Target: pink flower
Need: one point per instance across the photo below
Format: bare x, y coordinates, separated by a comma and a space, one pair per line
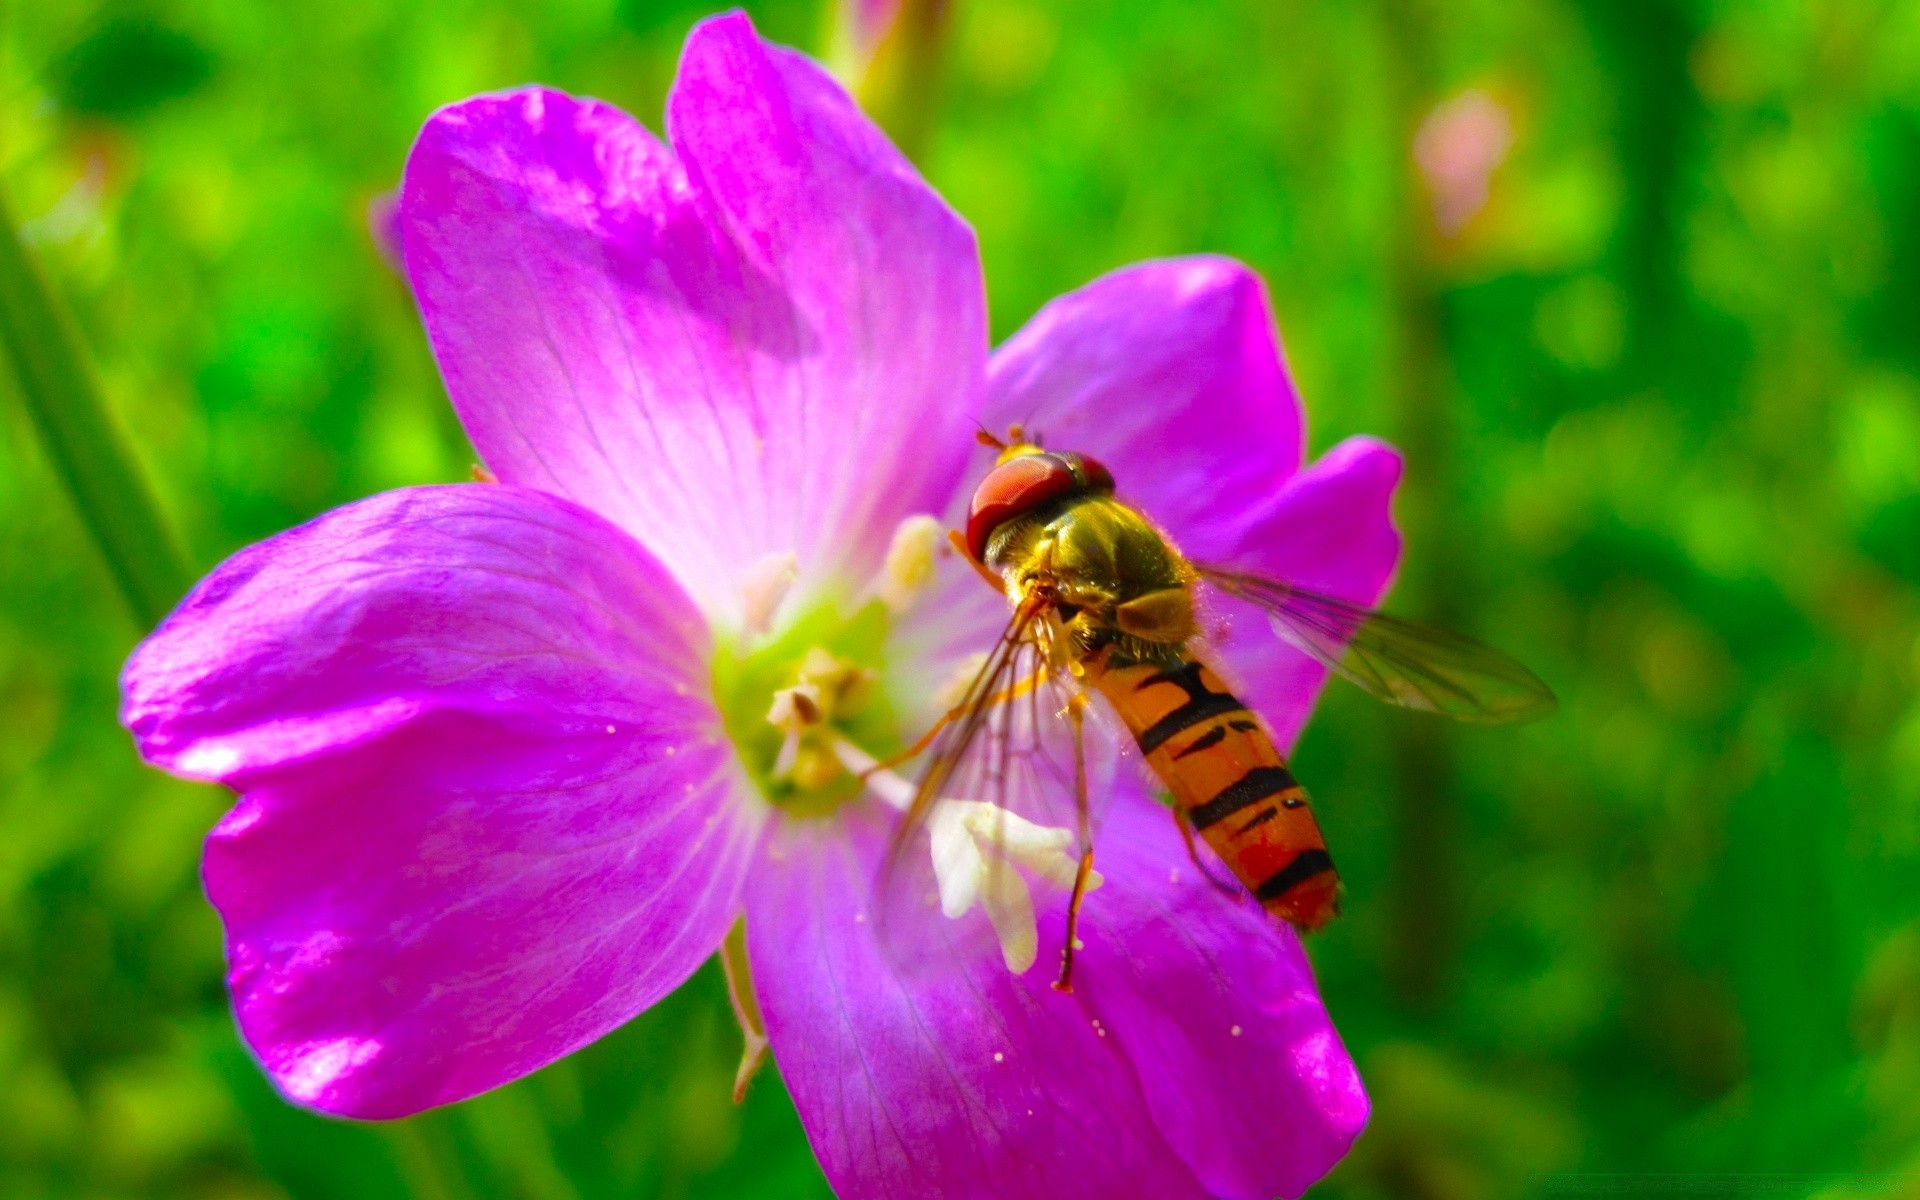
1458, 147
500, 749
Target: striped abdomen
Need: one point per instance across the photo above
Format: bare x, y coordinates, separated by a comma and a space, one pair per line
1231, 783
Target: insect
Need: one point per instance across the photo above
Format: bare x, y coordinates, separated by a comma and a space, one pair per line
1104, 605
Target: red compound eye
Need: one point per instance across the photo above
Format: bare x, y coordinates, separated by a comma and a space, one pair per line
1012, 489
1093, 472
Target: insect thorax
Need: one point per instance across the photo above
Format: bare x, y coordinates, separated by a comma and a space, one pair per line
1116, 583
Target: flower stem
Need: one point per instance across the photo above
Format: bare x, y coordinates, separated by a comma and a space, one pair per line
85, 446
1425, 922
428, 1164
746, 1008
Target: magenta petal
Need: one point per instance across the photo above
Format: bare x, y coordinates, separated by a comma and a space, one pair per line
971, 1083
1330, 528
1170, 373
767, 339
487, 812
1214, 1003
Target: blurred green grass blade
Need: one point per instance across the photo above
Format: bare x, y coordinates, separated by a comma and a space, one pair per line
84, 444
892, 60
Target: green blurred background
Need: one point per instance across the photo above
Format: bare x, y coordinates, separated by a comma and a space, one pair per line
1635, 282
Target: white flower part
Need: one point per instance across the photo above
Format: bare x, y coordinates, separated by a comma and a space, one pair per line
764, 588
976, 848
958, 865
1009, 907
910, 562
897, 792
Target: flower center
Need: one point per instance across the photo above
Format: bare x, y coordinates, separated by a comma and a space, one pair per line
807, 714
786, 700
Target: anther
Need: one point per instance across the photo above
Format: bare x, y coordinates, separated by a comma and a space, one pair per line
910, 562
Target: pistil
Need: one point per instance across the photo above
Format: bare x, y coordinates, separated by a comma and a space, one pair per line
978, 852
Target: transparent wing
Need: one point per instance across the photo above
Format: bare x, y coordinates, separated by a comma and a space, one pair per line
1401, 662
1002, 807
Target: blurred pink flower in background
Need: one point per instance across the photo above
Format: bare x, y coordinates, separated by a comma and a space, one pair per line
383, 225
1457, 148
862, 25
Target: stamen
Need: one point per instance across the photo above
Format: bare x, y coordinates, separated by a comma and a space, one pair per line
842, 687
897, 792
796, 708
826, 688
763, 588
910, 562
746, 1009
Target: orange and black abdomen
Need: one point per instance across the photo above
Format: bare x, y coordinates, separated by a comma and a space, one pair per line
1230, 782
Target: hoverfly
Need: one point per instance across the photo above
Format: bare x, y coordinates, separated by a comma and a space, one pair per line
1104, 605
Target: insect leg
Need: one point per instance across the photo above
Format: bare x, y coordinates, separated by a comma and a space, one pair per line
1226, 887
1076, 714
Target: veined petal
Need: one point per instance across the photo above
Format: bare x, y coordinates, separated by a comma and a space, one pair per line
885, 276
1329, 528
1170, 373
487, 812
1214, 1004
767, 339
973, 1082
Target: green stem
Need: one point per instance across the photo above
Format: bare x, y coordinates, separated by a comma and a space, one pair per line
85, 445
429, 1165
1426, 803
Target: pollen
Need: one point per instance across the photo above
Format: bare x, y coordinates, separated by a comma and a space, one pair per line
910, 562
827, 688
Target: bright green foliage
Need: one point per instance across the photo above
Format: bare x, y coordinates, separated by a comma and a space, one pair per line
1661, 399
49, 370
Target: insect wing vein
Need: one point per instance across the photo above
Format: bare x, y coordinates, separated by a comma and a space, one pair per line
972, 753
1398, 661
